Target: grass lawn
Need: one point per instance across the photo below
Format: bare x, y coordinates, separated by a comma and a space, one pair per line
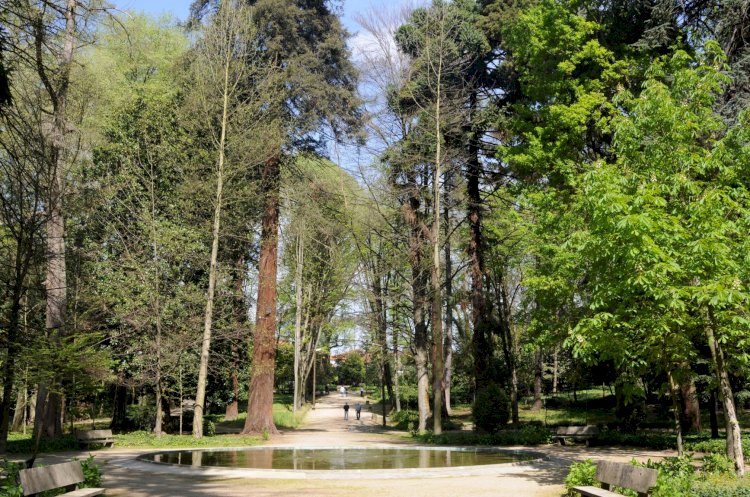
283, 417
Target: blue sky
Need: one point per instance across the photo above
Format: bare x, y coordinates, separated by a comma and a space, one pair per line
180, 8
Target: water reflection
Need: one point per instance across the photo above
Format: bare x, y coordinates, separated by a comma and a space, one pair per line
343, 458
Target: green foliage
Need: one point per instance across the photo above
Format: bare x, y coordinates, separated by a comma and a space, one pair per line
209, 427
716, 446
721, 486
92, 473
491, 410
717, 464
651, 440
405, 419
580, 474
146, 439
9, 484
141, 417
527, 435
24, 444
676, 475
351, 369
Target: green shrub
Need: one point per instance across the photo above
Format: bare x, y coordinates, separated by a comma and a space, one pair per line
581, 474
717, 464
716, 445
726, 485
676, 476
528, 435
657, 441
92, 474
24, 444
491, 410
209, 427
9, 485
141, 417
405, 419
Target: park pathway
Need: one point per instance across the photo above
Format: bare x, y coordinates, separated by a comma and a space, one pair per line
325, 426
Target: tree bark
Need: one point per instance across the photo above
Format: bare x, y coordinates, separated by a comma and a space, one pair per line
260, 402
514, 394
20, 411
9, 366
537, 406
675, 394
156, 306
419, 291
448, 332
691, 409
298, 321
508, 342
49, 401
481, 346
233, 408
733, 433
119, 421
713, 415
436, 319
200, 396
555, 369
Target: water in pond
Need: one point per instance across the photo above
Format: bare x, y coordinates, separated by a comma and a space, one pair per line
344, 458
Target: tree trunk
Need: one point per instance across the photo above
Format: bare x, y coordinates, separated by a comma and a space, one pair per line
537, 406
298, 321
55, 282
448, 345
691, 409
713, 415
419, 285
397, 379
675, 394
734, 435
260, 402
436, 318
423, 380
119, 421
514, 394
481, 346
233, 407
19, 414
555, 369
200, 396
156, 305
9, 366
508, 343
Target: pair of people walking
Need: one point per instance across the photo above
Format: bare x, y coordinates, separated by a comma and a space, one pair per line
357, 410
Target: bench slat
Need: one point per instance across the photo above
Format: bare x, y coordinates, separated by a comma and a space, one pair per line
626, 475
595, 492
94, 435
85, 492
572, 431
36, 480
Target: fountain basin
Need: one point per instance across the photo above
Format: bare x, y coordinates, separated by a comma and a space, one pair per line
333, 462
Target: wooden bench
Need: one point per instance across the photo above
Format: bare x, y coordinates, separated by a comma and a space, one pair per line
91, 437
637, 478
585, 433
66, 475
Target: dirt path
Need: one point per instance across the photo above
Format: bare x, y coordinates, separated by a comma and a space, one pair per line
325, 426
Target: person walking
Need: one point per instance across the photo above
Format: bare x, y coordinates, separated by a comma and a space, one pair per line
342, 390
346, 411
358, 409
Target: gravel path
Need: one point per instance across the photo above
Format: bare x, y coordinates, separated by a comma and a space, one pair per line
325, 426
